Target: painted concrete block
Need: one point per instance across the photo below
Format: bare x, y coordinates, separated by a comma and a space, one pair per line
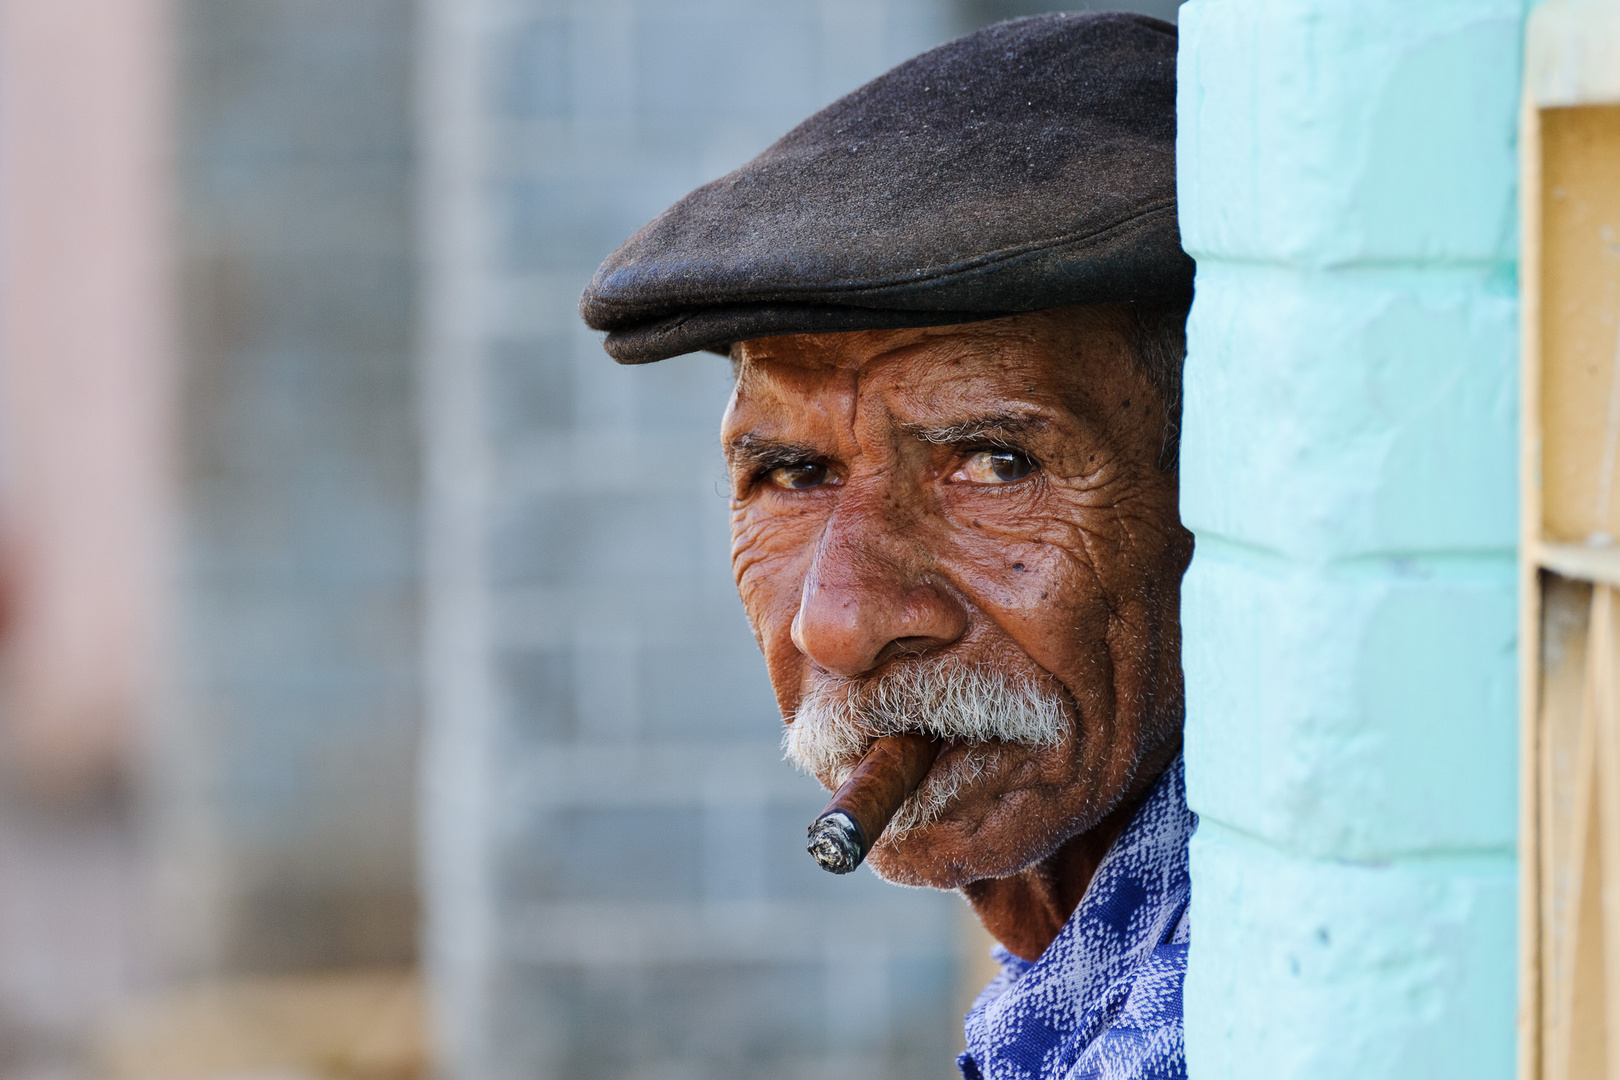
1335, 971
1347, 183
1334, 415
1319, 133
1363, 711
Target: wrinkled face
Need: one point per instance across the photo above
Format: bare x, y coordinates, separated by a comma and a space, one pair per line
979, 502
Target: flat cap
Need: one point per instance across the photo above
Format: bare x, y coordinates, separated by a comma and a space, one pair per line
1029, 165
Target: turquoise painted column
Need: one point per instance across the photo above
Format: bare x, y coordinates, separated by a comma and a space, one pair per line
1347, 184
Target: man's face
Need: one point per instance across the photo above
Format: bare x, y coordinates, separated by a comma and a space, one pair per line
978, 499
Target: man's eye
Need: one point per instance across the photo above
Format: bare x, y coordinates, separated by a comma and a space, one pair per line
798, 477
997, 466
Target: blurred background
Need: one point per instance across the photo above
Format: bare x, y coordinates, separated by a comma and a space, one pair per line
374, 699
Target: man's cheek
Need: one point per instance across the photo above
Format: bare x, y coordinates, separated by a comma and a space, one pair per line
770, 596
1041, 592
1028, 580
769, 575
757, 551
769, 592
1006, 564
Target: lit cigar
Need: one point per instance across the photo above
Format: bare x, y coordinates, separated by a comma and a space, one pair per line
862, 807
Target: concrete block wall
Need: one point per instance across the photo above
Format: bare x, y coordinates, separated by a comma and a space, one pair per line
281, 783
1347, 180
615, 850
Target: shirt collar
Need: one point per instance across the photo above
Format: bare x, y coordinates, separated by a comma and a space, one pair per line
1032, 1012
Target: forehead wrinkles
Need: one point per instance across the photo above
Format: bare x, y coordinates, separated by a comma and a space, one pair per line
851, 387
790, 401
795, 402
972, 381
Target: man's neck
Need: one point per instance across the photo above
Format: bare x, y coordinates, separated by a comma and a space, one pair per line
1025, 912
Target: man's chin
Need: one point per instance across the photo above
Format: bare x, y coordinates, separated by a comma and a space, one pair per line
949, 855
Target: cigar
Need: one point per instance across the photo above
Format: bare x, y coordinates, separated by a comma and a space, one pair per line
860, 810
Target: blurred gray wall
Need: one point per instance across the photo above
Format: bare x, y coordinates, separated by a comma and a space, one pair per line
615, 853
282, 782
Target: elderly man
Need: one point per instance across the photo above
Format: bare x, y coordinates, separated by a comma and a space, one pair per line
954, 303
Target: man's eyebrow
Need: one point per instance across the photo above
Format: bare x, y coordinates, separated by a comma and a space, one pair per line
993, 428
752, 451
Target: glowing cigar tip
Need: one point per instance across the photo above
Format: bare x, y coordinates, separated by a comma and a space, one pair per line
837, 842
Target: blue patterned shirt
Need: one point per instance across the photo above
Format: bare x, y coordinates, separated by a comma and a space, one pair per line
1104, 1000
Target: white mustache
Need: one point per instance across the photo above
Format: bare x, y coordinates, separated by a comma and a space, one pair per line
839, 717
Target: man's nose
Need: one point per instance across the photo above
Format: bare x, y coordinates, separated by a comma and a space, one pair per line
861, 604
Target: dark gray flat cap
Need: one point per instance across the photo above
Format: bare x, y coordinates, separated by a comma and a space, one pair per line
1029, 165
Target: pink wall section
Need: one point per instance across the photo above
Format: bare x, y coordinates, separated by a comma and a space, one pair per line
85, 377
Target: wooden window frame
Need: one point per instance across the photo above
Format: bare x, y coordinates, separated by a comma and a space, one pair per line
1569, 1015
